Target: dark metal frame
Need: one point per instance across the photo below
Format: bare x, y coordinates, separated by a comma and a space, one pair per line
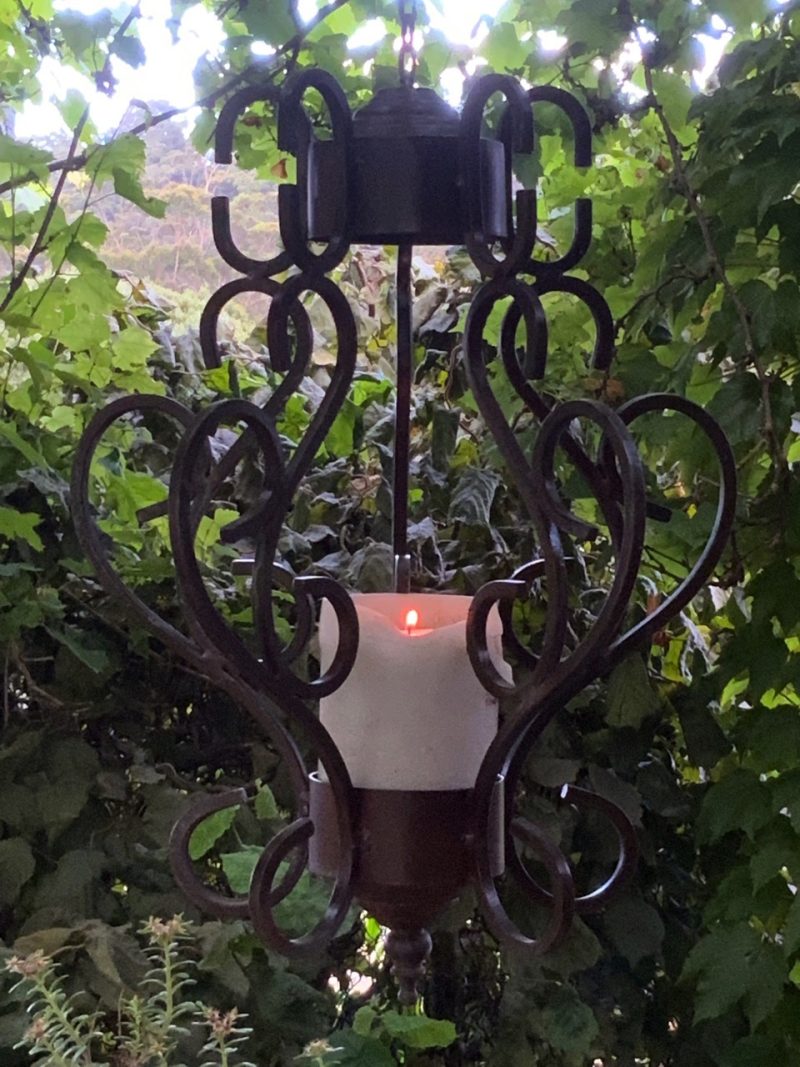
476, 832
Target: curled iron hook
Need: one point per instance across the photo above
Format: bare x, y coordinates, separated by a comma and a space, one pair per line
220, 205
595, 899
582, 157
720, 531
204, 897
561, 900
517, 134
295, 135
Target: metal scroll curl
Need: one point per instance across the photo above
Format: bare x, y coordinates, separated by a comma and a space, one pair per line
557, 671
516, 131
220, 205
262, 681
219, 654
601, 656
295, 135
582, 157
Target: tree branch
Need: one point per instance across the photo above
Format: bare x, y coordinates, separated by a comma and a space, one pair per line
38, 244
742, 314
655, 293
290, 49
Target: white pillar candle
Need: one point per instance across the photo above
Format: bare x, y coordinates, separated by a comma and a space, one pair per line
411, 714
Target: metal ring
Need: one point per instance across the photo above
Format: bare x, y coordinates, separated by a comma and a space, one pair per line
518, 137
294, 135
562, 901
596, 899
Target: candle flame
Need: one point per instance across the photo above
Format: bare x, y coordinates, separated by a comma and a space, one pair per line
412, 619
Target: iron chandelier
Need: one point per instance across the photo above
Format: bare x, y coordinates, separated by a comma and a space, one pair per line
402, 841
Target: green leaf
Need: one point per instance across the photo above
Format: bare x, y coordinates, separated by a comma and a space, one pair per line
130, 50
17, 867
758, 1050
791, 930
206, 834
503, 48
590, 23
568, 1024
82, 32
360, 1051
23, 155
305, 905
786, 796
339, 440
635, 928
738, 802
127, 185
270, 22
80, 334
759, 300
444, 433
631, 697
741, 14
239, 866
776, 594
72, 109
733, 964
706, 741
22, 525
266, 806
674, 95
613, 788
12, 435
736, 405
773, 736
364, 1019
473, 496
783, 850
418, 1031
132, 347
83, 646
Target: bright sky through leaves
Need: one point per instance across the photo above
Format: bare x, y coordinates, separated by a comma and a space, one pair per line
167, 74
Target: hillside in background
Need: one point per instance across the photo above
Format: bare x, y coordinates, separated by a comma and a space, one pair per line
175, 255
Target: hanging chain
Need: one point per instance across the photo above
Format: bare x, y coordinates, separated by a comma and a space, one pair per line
407, 59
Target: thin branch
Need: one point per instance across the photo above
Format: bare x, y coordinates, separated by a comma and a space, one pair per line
32, 689
742, 314
38, 245
655, 294
123, 26
13, 232
291, 48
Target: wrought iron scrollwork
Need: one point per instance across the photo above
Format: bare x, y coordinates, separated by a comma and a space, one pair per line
260, 680
616, 478
264, 679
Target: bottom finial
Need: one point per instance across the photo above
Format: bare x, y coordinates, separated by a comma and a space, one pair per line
408, 952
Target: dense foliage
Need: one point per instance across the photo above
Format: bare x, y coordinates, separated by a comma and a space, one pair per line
106, 737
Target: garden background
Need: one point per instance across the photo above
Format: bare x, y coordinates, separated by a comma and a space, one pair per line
105, 263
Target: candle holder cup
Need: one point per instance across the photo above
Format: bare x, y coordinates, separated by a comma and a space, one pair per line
404, 853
